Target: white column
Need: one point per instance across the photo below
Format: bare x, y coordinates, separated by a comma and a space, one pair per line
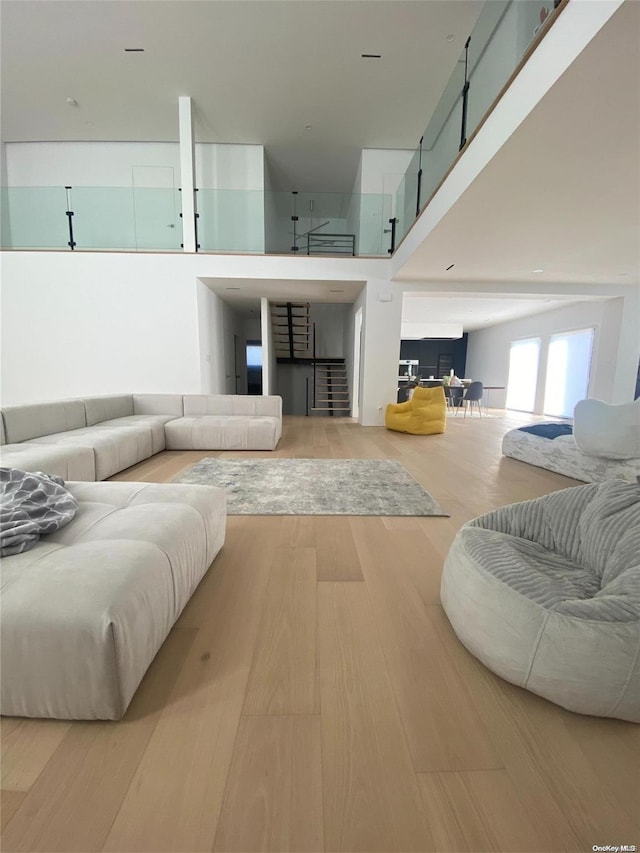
187, 173
381, 350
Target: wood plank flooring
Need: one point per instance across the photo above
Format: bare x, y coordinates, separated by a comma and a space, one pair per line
314, 697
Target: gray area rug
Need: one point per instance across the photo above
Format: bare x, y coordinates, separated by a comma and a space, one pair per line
314, 487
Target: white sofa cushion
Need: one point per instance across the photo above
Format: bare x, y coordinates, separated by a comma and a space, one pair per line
223, 432
32, 420
107, 407
68, 462
232, 404
85, 611
115, 448
607, 430
158, 404
153, 423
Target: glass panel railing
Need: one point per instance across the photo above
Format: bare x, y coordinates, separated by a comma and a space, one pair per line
104, 218
231, 221
503, 32
327, 223
441, 138
407, 197
34, 218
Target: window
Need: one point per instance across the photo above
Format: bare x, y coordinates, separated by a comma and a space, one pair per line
254, 355
523, 374
568, 367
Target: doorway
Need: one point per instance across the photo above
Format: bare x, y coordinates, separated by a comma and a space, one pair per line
254, 367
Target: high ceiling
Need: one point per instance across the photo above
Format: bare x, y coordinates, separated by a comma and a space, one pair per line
258, 71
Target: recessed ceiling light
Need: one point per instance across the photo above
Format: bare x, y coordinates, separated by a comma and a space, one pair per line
538, 270
450, 37
371, 56
307, 127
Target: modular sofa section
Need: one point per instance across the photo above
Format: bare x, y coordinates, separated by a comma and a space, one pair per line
86, 610
226, 422
70, 463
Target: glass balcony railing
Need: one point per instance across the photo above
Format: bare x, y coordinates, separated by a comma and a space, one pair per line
504, 31
142, 219
234, 221
135, 219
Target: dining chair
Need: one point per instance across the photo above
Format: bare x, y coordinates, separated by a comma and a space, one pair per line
472, 395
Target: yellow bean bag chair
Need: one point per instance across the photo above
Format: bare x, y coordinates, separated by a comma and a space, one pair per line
424, 414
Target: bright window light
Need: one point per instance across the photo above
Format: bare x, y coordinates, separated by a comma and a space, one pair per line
568, 368
523, 374
254, 356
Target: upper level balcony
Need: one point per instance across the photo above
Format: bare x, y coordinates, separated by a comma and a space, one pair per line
148, 218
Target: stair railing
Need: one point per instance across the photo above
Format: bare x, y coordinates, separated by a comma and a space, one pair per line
315, 378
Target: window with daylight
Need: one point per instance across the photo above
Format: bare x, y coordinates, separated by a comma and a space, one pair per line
568, 369
523, 374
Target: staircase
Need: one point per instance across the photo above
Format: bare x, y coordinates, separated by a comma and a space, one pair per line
331, 390
291, 330
294, 343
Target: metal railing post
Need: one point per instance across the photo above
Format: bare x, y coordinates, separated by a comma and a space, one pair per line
419, 179
314, 365
392, 222
69, 214
294, 219
465, 97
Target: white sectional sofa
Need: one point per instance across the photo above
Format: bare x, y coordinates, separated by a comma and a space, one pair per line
85, 611
93, 438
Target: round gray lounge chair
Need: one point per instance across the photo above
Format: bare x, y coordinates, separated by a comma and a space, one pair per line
546, 593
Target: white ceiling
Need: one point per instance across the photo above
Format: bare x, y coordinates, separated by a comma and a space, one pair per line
241, 292
258, 71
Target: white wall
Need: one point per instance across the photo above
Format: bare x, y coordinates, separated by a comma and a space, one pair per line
73, 325
488, 349
381, 336
211, 311
110, 164
94, 323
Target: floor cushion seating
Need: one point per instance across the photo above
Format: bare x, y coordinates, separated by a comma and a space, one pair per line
85, 611
563, 456
546, 593
424, 414
604, 444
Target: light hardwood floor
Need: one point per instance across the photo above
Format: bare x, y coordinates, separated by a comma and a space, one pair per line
313, 696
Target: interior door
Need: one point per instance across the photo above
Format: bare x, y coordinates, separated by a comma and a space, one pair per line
155, 205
